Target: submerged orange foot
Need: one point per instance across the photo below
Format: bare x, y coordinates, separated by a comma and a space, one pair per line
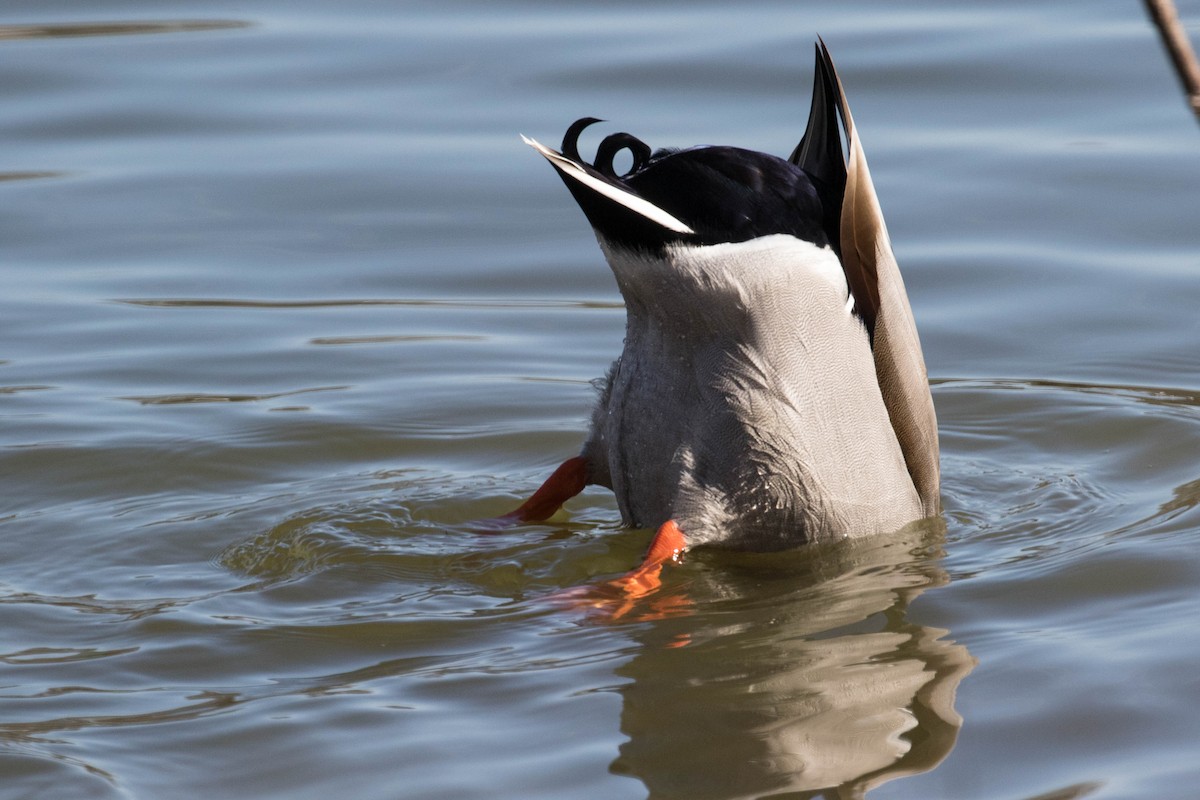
612, 599
617, 598
668, 544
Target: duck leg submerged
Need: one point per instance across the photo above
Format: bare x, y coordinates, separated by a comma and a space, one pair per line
568, 480
668, 545
617, 598
771, 391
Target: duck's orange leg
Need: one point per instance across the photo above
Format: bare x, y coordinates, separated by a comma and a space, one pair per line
564, 483
617, 598
614, 598
668, 544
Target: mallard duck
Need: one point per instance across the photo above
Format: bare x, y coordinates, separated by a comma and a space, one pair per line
772, 390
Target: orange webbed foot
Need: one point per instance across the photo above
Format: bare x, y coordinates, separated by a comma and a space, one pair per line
619, 597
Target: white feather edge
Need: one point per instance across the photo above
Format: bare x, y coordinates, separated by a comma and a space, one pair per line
627, 199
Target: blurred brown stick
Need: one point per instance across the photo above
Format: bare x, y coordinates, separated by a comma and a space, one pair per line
1166, 18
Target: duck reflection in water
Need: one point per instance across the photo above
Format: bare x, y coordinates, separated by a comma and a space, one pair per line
802, 675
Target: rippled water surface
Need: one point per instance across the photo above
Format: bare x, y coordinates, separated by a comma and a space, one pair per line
287, 304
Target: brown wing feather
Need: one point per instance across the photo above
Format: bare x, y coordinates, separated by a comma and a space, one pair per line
899, 364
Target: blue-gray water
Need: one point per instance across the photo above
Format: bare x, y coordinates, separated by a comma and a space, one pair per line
286, 302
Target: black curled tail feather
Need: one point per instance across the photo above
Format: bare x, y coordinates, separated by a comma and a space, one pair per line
608, 149
570, 143
614, 144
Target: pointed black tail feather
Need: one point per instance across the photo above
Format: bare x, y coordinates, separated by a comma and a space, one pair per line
819, 152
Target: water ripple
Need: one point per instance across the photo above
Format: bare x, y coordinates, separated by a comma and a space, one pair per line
201, 397
349, 302
59, 655
71, 30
